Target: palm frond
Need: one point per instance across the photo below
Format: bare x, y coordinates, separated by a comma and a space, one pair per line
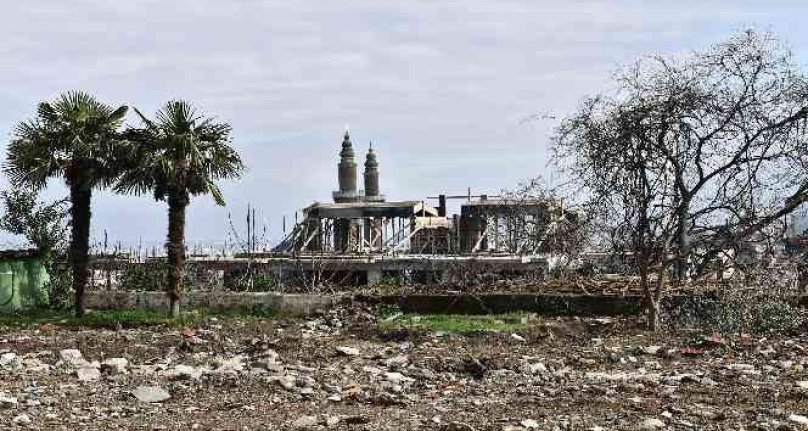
181, 152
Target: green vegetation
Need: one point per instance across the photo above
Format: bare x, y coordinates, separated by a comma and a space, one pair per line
77, 138
457, 323
74, 138
738, 311
179, 155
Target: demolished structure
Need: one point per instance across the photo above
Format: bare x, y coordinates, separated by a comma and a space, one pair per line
361, 238
365, 237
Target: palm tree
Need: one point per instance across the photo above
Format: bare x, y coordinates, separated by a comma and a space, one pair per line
179, 155
75, 138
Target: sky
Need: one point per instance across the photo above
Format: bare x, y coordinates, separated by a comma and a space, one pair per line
442, 88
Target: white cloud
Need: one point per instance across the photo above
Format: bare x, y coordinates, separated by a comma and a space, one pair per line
440, 87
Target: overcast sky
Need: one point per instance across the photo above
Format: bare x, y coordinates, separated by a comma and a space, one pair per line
441, 88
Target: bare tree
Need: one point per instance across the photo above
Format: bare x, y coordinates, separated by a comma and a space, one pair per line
695, 155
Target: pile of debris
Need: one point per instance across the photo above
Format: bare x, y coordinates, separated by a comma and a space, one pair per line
337, 372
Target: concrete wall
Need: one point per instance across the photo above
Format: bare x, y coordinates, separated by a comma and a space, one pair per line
297, 304
281, 303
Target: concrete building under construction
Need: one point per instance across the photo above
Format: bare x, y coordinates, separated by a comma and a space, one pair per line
364, 235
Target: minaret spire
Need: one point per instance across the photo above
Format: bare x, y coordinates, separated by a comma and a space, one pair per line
372, 176
346, 171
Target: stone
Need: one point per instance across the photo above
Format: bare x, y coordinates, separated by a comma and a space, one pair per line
347, 351
536, 368
231, 365
115, 366
270, 356
304, 422
529, 424
639, 375
88, 374
22, 419
459, 426
72, 357
396, 361
518, 338
287, 382
802, 384
798, 419
183, 372
9, 359
151, 394
7, 401
743, 368
651, 350
396, 377
651, 424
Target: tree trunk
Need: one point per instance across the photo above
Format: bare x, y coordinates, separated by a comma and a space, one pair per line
683, 241
175, 248
653, 313
80, 213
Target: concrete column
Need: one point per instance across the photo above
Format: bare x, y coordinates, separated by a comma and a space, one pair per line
374, 276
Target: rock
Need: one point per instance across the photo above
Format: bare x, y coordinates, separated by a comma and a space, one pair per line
639, 375
151, 394
22, 419
9, 359
802, 384
347, 351
798, 419
115, 366
231, 365
536, 368
304, 422
183, 372
651, 424
458, 426
396, 377
529, 424
396, 361
651, 350
7, 401
72, 357
286, 381
743, 368
518, 338
331, 421
270, 355
88, 374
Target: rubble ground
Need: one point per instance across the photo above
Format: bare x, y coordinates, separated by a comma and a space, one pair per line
356, 369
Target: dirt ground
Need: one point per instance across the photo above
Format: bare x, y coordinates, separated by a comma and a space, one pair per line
339, 371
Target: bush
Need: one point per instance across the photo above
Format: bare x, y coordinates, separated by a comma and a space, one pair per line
736, 311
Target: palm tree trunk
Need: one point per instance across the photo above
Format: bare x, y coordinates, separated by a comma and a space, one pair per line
175, 248
80, 213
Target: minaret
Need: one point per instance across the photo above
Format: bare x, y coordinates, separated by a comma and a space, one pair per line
371, 175
347, 172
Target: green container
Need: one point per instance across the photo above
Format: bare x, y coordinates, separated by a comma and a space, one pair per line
23, 279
